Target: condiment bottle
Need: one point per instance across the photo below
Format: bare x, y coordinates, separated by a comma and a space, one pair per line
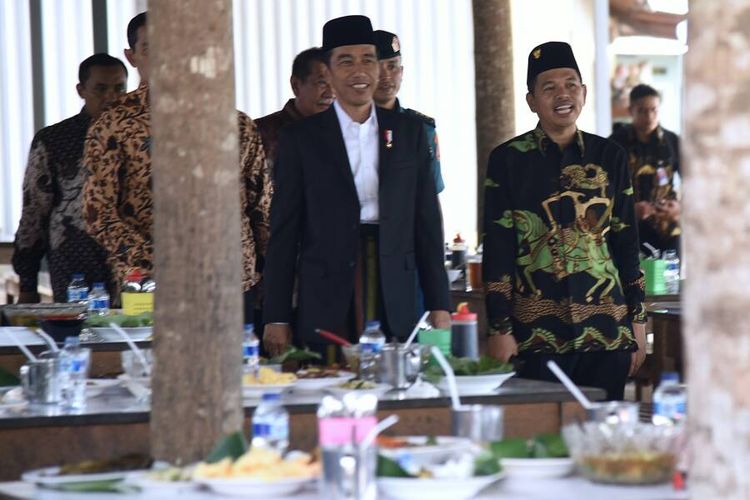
458, 252
137, 294
464, 338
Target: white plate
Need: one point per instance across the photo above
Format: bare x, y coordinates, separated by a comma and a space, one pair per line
434, 489
473, 384
151, 486
257, 390
318, 384
140, 387
108, 334
95, 386
339, 391
13, 400
537, 467
426, 454
257, 488
50, 477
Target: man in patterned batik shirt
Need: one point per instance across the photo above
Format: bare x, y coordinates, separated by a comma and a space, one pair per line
653, 159
51, 225
118, 207
561, 267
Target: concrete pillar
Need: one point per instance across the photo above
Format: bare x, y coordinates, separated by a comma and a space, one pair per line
197, 383
716, 155
493, 60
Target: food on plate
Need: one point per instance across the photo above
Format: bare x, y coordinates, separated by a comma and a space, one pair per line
124, 463
267, 376
628, 468
486, 365
259, 463
315, 372
540, 446
458, 466
393, 442
295, 354
171, 474
144, 319
356, 385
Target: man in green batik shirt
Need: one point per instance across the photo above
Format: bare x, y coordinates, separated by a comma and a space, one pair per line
561, 267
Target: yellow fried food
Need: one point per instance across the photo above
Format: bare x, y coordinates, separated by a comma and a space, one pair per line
261, 464
222, 468
267, 376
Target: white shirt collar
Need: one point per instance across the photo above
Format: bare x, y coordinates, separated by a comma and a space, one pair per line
346, 121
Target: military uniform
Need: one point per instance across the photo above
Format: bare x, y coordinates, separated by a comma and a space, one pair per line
428, 124
388, 46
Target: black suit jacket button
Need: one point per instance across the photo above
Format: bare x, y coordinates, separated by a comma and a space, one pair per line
351, 263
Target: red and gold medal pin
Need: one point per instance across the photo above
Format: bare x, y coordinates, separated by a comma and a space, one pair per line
388, 136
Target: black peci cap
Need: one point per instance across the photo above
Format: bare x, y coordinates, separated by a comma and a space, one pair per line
387, 44
550, 55
347, 30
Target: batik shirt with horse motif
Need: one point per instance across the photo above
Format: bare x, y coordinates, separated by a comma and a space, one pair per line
561, 265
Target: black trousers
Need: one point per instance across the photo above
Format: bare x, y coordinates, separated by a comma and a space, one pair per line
606, 370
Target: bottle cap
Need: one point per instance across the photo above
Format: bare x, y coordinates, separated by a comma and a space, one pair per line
77, 276
458, 238
271, 396
249, 327
98, 284
134, 275
372, 325
670, 377
463, 313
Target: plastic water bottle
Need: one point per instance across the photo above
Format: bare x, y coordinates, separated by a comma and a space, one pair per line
73, 368
98, 300
672, 272
250, 351
78, 290
271, 424
670, 401
370, 344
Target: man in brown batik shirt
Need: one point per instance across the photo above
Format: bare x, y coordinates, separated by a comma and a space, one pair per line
117, 199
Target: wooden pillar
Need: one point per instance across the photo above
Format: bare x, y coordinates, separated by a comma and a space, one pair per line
197, 383
493, 61
716, 222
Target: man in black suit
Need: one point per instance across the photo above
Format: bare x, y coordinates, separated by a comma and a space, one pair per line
355, 202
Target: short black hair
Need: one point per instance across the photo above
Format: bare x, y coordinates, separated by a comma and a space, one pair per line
100, 59
642, 90
302, 66
133, 25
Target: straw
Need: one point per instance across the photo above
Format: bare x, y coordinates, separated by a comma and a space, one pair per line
575, 391
20, 345
333, 337
449, 375
49, 340
380, 427
654, 251
416, 329
136, 350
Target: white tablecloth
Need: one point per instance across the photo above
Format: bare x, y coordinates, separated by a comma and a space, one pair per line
573, 488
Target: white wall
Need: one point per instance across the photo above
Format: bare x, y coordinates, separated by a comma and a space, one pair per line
539, 21
67, 39
16, 110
